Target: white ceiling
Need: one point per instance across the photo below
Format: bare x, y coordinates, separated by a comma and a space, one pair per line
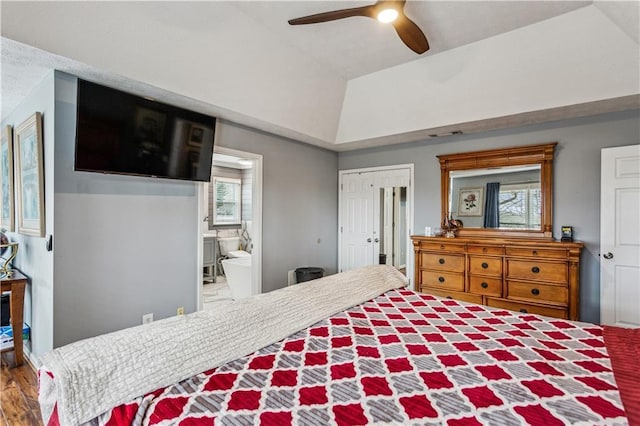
242, 62
357, 46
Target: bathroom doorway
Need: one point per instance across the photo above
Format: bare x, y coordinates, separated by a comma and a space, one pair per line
230, 237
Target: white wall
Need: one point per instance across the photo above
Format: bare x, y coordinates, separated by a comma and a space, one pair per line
570, 59
193, 49
33, 259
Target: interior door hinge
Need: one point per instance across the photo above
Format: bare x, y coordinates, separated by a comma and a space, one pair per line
341, 186
341, 229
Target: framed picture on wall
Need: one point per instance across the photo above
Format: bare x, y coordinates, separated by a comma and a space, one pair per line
6, 180
30, 176
470, 201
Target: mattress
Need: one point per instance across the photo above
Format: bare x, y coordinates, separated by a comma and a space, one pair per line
400, 358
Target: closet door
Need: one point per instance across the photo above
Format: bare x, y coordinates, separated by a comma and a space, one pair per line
363, 197
357, 215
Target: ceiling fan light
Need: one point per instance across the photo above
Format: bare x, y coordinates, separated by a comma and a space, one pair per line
387, 15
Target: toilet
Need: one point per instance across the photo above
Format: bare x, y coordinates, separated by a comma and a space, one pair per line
230, 247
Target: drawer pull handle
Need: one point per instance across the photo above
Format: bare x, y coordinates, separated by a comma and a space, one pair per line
484, 285
535, 291
484, 250
535, 269
484, 265
441, 246
524, 311
535, 252
441, 279
441, 261
449, 297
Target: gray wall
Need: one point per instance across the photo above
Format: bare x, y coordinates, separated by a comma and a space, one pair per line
124, 246
299, 202
576, 177
32, 258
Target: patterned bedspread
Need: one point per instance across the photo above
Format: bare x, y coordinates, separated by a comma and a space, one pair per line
402, 358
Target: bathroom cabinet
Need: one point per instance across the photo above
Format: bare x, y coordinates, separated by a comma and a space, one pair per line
209, 259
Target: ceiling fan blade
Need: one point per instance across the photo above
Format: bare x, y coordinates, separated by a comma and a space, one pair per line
333, 15
411, 34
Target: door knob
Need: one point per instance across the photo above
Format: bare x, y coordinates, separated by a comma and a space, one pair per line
368, 240
376, 240
608, 255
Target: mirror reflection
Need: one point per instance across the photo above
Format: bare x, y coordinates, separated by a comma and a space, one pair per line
393, 226
503, 197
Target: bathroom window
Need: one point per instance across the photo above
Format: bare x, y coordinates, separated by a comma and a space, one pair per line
226, 200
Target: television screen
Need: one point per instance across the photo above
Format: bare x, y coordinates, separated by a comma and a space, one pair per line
126, 134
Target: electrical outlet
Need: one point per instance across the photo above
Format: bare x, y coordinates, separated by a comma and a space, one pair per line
180, 310
147, 318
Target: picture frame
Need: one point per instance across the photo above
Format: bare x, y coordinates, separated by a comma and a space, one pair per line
29, 176
196, 135
7, 206
470, 201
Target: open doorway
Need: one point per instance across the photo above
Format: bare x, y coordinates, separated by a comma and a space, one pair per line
230, 217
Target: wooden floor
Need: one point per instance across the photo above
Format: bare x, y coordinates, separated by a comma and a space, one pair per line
18, 394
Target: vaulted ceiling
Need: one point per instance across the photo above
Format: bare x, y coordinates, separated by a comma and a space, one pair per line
343, 84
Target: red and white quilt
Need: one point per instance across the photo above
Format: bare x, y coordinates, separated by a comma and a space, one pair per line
402, 358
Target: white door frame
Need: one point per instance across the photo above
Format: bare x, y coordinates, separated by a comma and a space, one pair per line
256, 219
410, 209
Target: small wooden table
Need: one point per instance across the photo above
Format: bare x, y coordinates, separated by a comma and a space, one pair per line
16, 285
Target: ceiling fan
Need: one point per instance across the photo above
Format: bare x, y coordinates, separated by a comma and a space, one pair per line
386, 11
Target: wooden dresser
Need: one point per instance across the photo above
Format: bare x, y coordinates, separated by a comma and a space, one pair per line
525, 275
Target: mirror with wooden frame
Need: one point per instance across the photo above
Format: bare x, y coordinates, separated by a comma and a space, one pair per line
505, 193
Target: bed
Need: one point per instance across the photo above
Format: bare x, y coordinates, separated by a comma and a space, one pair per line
395, 357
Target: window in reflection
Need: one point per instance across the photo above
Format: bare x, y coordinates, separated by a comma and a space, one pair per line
519, 205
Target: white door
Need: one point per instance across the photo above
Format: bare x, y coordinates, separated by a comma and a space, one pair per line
620, 236
361, 197
357, 221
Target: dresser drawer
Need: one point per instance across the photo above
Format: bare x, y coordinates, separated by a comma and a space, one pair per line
465, 297
431, 246
443, 262
442, 280
485, 265
527, 308
485, 250
537, 252
487, 286
535, 292
537, 270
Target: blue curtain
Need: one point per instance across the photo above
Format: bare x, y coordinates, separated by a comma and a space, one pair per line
491, 206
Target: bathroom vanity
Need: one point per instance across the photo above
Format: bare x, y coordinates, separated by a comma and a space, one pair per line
209, 259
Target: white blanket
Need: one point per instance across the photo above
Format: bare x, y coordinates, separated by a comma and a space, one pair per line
94, 375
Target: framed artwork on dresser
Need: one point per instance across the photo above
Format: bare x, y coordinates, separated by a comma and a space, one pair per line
470, 201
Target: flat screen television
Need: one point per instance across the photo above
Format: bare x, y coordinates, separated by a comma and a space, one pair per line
121, 133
